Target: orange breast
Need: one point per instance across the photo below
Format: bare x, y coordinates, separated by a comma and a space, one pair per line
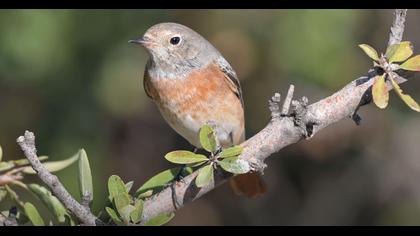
203, 95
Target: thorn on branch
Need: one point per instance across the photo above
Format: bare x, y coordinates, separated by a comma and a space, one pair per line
288, 100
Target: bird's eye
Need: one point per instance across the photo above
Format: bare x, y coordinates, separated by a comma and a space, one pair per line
175, 40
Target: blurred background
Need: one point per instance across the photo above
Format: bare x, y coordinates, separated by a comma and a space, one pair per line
71, 77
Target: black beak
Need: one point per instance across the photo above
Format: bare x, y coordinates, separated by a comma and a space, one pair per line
141, 41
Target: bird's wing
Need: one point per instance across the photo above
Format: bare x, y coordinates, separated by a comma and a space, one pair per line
231, 78
146, 84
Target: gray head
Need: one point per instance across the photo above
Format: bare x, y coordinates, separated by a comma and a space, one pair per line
176, 49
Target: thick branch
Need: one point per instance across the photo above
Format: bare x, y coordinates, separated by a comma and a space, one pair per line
27, 144
281, 131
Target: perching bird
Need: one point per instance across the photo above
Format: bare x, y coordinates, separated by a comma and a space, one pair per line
192, 85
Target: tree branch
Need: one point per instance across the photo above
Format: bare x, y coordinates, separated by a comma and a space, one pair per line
27, 144
304, 122
397, 28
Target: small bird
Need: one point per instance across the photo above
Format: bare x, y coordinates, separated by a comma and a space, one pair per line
193, 85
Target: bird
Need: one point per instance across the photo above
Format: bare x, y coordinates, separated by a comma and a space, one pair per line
192, 84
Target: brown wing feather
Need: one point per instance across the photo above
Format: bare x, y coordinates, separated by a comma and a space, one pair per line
232, 80
147, 85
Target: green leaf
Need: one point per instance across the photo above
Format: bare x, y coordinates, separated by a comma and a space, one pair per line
208, 138
137, 213
159, 181
1, 153
399, 52
406, 98
85, 175
6, 165
370, 51
129, 185
380, 92
52, 202
235, 165
15, 198
126, 213
33, 214
114, 216
115, 186
121, 200
3, 193
25, 161
205, 176
70, 221
412, 64
146, 194
185, 157
232, 151
54, 166
160, 219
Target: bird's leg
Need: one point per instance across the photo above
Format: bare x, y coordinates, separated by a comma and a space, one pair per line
179, 176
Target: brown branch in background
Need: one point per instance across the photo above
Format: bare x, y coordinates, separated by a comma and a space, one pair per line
304, 122
27, 144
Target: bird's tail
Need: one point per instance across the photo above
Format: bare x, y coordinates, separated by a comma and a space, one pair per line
250, 184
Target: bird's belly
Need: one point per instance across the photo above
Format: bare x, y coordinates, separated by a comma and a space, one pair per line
187, 121
184, 124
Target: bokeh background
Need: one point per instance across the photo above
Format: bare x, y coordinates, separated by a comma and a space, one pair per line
71, 77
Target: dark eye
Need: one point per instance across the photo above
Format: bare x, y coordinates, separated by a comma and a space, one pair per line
175, 40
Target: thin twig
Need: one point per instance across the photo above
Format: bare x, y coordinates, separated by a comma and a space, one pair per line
273, 105
397, 28
27, 144
288, 100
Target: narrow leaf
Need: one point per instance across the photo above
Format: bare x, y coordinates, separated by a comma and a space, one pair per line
54, 166
115, 186
380, 92
205, 176
1, 153
159, 181
3, 193
52, 202
128, 186
15, 198
6, 165
146, 194
33, 214
113, 216
235, 165
208, 138
370, 51
126, 213
232, 151
85, 175
137, 213
120, 201
160, 219
185, 157
412, 64
399, 52
405, 97
25, 161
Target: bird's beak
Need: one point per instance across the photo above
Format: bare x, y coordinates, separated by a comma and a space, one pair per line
142, 40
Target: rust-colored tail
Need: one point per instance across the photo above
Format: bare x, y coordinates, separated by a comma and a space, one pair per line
250, 184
